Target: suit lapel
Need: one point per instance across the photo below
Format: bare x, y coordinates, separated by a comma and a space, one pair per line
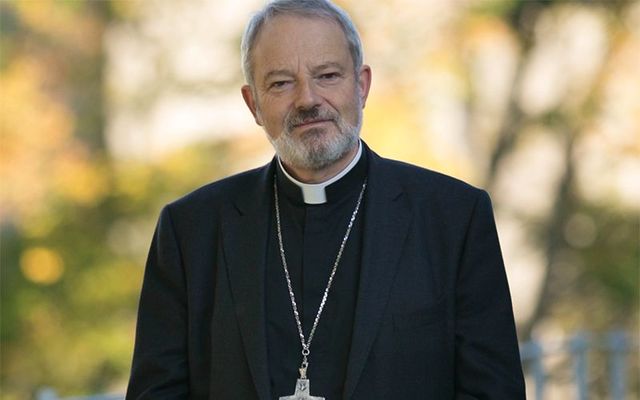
245, 238
387, 217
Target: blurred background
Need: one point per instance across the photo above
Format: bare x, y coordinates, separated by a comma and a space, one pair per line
110, 109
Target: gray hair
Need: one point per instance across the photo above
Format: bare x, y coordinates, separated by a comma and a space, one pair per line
303, 8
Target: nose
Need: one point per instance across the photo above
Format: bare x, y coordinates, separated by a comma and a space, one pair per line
307, 96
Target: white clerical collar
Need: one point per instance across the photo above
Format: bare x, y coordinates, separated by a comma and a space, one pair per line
314, 193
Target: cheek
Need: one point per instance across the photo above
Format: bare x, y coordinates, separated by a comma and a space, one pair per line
351, 109
273, 120
347, 102
273, 110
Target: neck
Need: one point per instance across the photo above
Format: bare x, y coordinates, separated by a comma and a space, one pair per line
318, 176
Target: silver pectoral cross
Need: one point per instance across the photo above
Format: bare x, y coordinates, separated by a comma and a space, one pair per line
302, 392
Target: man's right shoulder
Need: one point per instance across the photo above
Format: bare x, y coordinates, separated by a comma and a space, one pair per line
222, 191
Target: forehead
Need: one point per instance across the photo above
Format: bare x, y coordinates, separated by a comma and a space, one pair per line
287, 40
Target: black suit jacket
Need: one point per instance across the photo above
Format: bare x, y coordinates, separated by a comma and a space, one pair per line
433, 317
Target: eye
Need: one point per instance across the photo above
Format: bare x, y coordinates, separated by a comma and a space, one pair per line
329, 76
278, 84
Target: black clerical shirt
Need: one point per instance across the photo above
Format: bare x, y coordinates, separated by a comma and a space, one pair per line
312, 235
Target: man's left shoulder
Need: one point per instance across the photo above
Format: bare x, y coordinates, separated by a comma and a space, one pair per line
422, 181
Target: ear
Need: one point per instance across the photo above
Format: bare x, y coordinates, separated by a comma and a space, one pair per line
364, 83
250, 101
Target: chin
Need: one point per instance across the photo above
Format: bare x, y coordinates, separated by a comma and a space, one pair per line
315, 148
322, 153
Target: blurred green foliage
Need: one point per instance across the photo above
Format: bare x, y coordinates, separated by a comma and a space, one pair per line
74, 221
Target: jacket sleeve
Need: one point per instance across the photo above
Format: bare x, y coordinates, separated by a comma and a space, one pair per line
160, 367
487, 357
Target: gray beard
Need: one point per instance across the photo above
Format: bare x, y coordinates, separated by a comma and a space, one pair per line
314, 150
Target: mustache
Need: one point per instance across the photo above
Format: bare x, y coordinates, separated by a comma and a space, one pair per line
304, 116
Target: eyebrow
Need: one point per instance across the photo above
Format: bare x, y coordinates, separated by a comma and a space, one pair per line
315, 70
328, 65
277, 72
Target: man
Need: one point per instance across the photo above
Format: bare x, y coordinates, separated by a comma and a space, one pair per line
330, 272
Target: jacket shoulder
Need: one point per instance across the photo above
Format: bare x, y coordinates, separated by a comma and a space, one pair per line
423, 181
221, 191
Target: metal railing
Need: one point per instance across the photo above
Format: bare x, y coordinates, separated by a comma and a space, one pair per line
616, 347
50, 394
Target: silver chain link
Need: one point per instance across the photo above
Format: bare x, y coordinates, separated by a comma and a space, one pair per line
306, 344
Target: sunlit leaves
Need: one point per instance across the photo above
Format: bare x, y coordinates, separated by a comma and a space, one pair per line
41, 265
